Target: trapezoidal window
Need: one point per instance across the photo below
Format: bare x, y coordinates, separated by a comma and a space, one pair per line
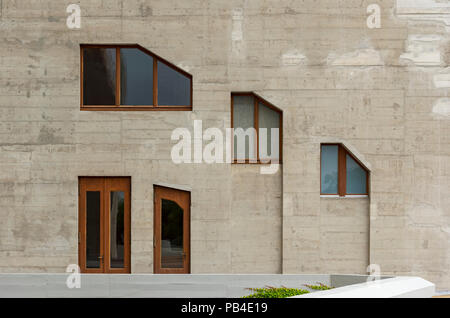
341, 173
257, 129
129, 77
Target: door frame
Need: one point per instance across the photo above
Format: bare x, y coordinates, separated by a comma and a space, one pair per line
183, 199
104, 185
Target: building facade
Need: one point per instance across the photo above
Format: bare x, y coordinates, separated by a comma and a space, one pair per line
338, 74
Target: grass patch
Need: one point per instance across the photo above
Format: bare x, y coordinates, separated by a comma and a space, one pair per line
275, 292
319, 286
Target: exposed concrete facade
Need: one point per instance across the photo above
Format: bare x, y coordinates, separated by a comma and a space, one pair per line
383, 92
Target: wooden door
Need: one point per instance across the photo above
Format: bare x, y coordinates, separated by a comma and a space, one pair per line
171, 231
104, 224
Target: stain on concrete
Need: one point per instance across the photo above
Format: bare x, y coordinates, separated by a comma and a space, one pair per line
145, 10
53, 19
47, 136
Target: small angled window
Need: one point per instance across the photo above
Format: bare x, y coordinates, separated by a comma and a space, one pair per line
341, 173
257, 126
129, 77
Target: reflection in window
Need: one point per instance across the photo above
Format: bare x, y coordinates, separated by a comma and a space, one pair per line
269, 124
257, 129
136, 77
341, 173
141, 80
329, 169
244, 117
171, 235
117, 233
173, 87
99, 76
356, 177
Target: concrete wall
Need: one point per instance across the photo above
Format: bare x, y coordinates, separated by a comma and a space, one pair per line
381, 91
344, 235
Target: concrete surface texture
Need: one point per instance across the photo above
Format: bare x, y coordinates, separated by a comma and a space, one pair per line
383, 92
169, 285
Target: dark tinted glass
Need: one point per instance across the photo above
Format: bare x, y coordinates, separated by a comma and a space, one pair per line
171, 235
117, 234
92, 229
136, 77
174, 88
99, 76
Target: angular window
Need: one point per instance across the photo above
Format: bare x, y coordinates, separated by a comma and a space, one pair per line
129, 77
341, 173
257, 127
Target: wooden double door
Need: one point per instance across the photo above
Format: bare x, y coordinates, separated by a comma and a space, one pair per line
104, 224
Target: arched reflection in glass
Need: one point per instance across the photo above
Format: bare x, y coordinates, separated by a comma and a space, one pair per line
171, 234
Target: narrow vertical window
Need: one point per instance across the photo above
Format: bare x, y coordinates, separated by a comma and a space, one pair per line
329, 169
99, 76
244, 123
136, 77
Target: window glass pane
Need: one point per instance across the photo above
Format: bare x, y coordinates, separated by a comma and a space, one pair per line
171, 235
268, 119
329, 169
174, 88
92, 229
243, 117
356, 177
136, 77
99, 76
117, 233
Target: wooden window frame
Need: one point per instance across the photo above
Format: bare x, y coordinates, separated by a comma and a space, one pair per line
256, 100
342, 171
117, 106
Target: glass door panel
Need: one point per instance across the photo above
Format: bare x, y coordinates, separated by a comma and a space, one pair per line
171, 235
93, 254
171, 226
117, 233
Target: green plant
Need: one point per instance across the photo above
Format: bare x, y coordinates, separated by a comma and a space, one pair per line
275, 292
319, 286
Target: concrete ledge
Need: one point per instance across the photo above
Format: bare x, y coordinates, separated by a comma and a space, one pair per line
404, 287
148, 285
205, 285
